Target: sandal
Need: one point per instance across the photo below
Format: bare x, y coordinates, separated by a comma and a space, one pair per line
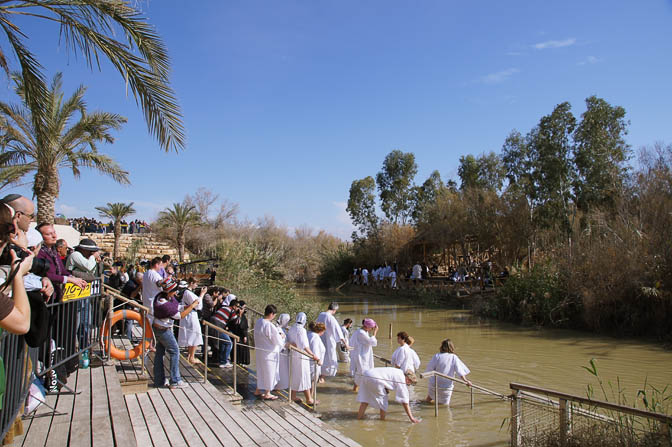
270, 397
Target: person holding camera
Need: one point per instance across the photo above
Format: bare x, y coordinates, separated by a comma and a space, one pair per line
14, 311
190, 335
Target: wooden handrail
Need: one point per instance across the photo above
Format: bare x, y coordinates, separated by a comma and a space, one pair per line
300, 351
119, 296
597, 403
382, 359
220, 330
428, 374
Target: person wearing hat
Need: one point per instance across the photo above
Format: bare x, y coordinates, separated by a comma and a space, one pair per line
85, 258
165, 310
190, 335
362, 343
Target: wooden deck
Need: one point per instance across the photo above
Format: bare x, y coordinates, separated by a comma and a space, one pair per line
200, 415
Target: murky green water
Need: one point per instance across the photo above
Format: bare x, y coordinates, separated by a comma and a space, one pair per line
496, 353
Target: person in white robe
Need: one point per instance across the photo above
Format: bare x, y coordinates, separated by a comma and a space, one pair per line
299, 377
344, 348
283, 376
317, 346
268, 343
448, 363
365, 277
376, 385
331, 337
405, 357
361, 356
190, 335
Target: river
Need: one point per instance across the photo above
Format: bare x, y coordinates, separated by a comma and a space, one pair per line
497, 354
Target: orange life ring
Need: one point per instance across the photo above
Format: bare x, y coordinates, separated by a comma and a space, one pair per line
117, 353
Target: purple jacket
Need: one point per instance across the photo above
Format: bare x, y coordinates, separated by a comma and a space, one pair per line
57, 272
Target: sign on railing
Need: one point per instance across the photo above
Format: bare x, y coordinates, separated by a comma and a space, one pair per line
74, 292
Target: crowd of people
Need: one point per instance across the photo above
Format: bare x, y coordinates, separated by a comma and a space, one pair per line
91, 225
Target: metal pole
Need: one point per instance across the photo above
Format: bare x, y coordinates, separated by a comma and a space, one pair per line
205, 354
109, 326
390, 331
564, 422
143, 317
515, 419
436, 396
235, 365
289, 375
472, 396
317, 377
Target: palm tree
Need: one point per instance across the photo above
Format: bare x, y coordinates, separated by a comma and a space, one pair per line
68, 139
117, 212
180, 218
98, 29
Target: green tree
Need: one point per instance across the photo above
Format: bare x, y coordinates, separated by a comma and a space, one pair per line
487, 171
427, 193
117, 212
68, 139
600, 154
180, 218
112, 29
395, 184
362, 206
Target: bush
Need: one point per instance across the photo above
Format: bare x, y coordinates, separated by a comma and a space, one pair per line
336, 266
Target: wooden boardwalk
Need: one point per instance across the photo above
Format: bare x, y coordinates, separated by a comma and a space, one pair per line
200, 415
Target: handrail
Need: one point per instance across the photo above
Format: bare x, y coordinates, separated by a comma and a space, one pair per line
428, 374
598, 403
220, 330
261, 314
382, 359
300, 351
132, 302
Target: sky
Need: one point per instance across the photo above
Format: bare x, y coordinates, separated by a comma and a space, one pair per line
285, 103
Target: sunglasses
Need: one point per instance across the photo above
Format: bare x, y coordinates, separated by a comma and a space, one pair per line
30, 216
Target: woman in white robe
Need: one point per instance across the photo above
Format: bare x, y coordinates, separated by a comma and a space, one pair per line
299, 377
283, 378
268, 342
448, 363
361, 356
331, 337
317, 346
190, 335
375, 387
405, 357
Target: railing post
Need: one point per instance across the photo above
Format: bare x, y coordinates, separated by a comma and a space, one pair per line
390, 334
564, 422
143, 317
235, 365
109, 326
317, 377
205, 354
471, 388
289, 375
515, 419
436, 396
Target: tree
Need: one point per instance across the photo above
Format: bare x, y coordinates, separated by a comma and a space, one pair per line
395, 184
485, 172
111, 29
600, 154
68, 139
180, 218
362, 206
117, 212
426, 193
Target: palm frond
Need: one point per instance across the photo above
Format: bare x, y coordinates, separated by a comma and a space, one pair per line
100, 162
116, 211
12, 175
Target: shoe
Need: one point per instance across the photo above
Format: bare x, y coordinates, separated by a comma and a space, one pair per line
166, 382
226, 365
178, 386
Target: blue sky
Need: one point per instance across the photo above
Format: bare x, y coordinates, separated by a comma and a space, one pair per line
285, 103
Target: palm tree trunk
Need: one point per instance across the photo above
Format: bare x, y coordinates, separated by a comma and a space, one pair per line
180, 246
117, 235
46, 188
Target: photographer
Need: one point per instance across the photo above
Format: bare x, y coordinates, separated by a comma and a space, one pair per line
14, 311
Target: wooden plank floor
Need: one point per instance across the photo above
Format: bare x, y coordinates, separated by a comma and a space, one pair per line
203, 414
92, 417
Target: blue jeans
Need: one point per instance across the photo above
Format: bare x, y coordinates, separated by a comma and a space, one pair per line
166, 343
225, 346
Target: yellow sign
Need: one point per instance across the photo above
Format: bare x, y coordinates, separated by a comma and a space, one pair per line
73, 292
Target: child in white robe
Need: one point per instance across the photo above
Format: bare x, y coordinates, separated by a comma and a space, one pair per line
361, 356
318, 348
405, 357
448, 363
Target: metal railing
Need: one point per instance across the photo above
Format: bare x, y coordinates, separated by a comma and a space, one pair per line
566, 409
207, 325
313, 390
472, 387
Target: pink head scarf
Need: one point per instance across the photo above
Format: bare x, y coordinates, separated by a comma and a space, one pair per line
369, 323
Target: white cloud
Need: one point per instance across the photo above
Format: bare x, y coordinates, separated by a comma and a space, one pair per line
590, 60
343, 227
498, 77
554, 44
71, 211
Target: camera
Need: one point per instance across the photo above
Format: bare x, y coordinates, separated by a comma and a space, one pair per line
40, 266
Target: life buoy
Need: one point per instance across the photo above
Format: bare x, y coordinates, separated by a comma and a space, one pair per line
117, 353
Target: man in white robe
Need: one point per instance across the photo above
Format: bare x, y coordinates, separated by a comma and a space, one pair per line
330, 338
268, 344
